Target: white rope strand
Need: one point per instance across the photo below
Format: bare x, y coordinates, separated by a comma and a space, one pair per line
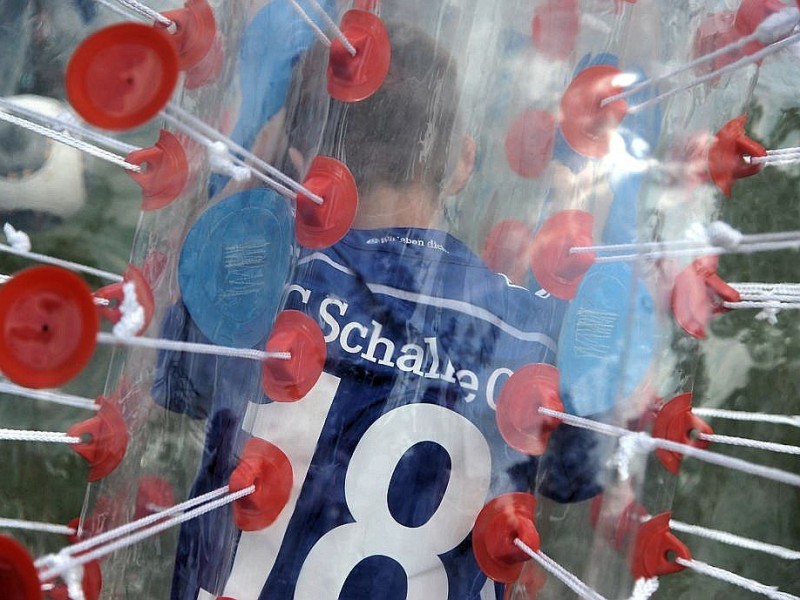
36, 526
48, 396
748, 443
178, 113
334, 27
68, 140
733, 578
742, 62
755, 417
65, 562
735, 540
684, 449
48, 437
148, 13
174, 345
310, 22
570, 580
66, 264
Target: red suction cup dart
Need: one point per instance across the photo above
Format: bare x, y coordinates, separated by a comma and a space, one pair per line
555, 28
166, 171
115, 293
48, 327
154, 494
19, 579
320, 226
529, 143
500, 522
698, 294
726, 161
267, 467
520, 423
352, 78
107, 443
585, 124
195, 32
121, 77
92, 584
208, 69
556, 270
289, 380
654, 549
619, 527
507, 249
677, 423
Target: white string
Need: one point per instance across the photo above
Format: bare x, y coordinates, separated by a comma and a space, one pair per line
68, 140
733, 578
310, 22
742, 62
644, 588
65, 561
66, 122
148, 13
684, 449
59, 262
774, 160
183, 117
570, 580
776, 291
36, 526
735, 540
733, 415
49, 437
54, 397
748, 443
119, 10
332, 25
163, 344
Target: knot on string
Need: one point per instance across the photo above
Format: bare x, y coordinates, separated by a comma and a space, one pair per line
70, 573
132, 313
630, 445
778, 25
644, 588
219, 157
16, 238
724, 236
769, 314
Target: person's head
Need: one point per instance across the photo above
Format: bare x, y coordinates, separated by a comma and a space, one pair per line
406, 138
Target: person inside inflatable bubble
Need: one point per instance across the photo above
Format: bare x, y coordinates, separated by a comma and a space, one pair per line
421, 336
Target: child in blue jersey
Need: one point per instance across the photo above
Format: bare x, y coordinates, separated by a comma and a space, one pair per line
396, 449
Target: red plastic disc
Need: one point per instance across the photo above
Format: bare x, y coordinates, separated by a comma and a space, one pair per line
122, 76
48, 327
677, 423
166, 171
154, 494
504, 519
195, 32
654, 546
19, 579
620, 525
529, 143
556, 270
507, 250
555, 28
698, 294
354, 78
208, 69
750, 15
320, 226
726, 161
268, 468
107, 440
586, 126
520, 423
116, 293
290, 380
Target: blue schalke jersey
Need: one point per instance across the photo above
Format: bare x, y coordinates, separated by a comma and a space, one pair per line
396, 448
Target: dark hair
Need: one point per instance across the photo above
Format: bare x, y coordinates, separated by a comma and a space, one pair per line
398, 136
